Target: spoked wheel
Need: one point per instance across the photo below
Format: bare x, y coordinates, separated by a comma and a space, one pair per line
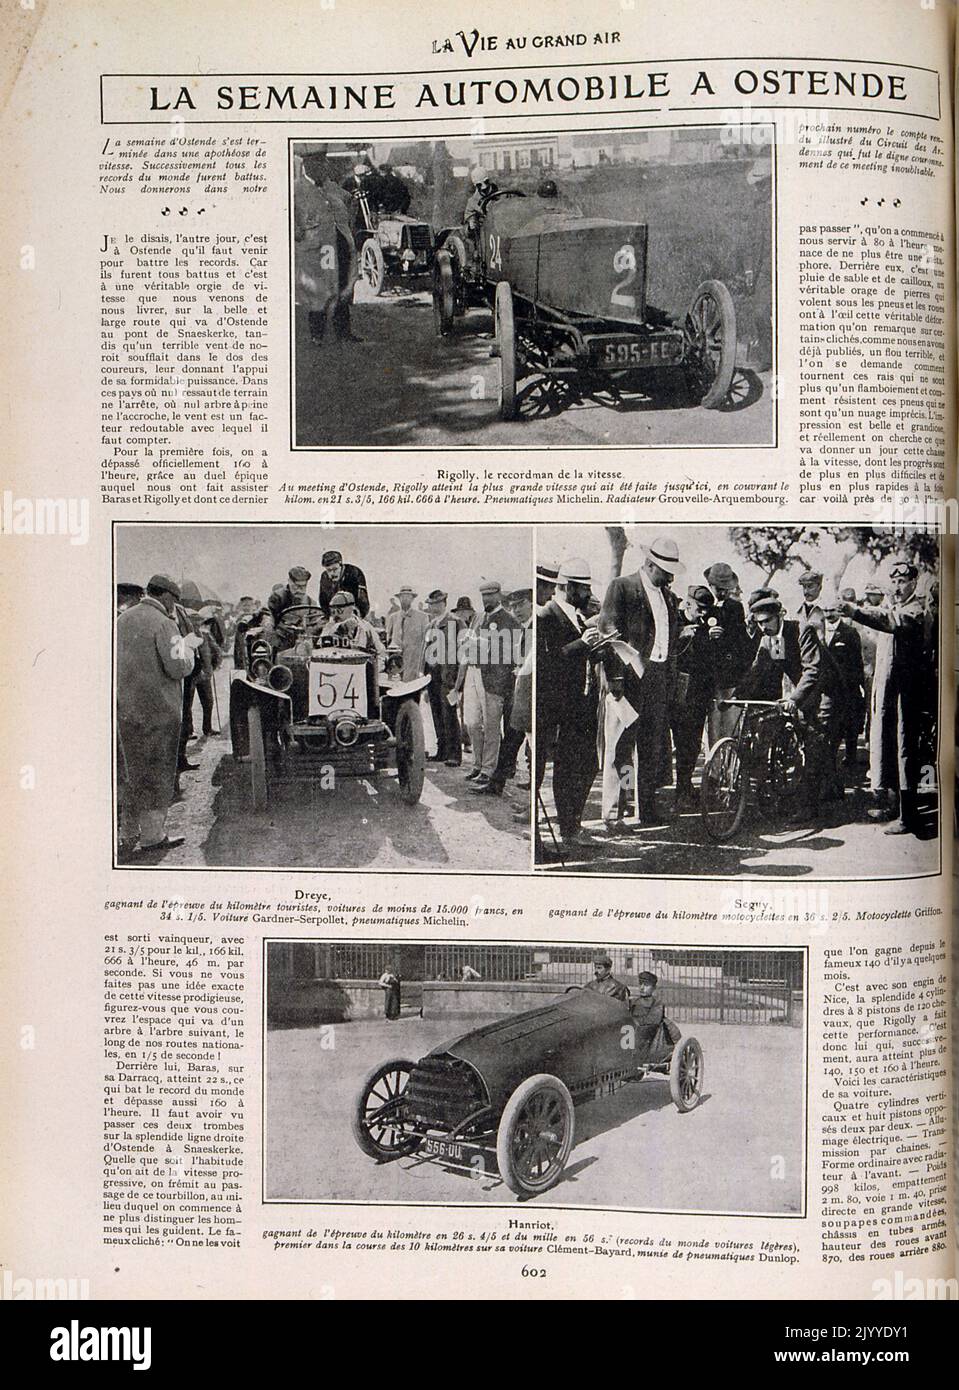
686, 1075
410, 751
378, 1124
505, 328
372, 265
710, 330
444, 294
535, 1135
723, 793
785, 769
254, 723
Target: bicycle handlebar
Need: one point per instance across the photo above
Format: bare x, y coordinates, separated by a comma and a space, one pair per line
766, 704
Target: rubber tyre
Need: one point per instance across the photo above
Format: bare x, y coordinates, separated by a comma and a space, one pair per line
444, 294
373, 265
540, 1102
258, 784
711, 341
505, 328
719, 755
410, 751
384, 1079
686, 1072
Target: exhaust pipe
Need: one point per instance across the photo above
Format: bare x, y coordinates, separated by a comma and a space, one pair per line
280, 678
346, 732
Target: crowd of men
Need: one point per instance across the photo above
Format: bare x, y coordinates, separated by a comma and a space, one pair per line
170, 644
635, 688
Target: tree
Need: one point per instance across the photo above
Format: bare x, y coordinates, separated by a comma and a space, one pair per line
773, 549
618, 545
777, 549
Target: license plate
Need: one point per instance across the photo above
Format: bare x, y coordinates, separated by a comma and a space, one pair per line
635, 352
444, 1148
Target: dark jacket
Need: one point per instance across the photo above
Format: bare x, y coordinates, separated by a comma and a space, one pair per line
803, 663
626, 609
565, 684
353, 580
733, 652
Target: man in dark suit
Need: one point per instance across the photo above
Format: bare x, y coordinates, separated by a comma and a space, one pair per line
566, 698
844, 645
290, 595
792, 668
732, 647
336, 577
898, 693
696, 687
442, 666
643, 611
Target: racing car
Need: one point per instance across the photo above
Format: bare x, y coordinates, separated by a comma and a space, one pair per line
568, 294
319, 708
509, 1088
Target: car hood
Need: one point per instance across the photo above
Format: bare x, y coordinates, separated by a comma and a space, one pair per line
530, 1036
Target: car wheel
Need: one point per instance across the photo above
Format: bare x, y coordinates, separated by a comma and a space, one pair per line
373, 265
377, 1123
410, 751
723, 791
444, 294
505, 329
254, 723
710, 330
686, 1075
535, 1135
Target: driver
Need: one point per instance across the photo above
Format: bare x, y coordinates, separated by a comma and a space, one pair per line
290, 594
483, 190
604, 981
346, 628
655, 1035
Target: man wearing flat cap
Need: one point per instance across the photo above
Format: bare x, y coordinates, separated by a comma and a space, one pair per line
406, 632
604, 981
643, 611
153, 659
895, 762
517, 723
695, 688
442, 666
567, 694
731, 644
810, 610
487, 678
792, 667
337, 576
289, 595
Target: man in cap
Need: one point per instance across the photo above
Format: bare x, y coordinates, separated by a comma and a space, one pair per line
324, 249
791, 667
844, 645
810, 610
128, 595
406, 632
442, 665
604, 981
895, 760
518, 723
656, 1036
336, 576
153, 659
696, 686
483, 190
292, 594
392, 193
643, 611
244, 618
567, 649
546, 575
730, 642
491, 654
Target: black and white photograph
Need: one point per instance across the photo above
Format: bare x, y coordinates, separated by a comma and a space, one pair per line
582, 289
650, 1078
757, 700
302, 697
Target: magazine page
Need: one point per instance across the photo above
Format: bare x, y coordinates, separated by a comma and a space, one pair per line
477, 494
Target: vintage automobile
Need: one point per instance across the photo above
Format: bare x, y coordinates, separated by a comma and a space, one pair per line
396, 247
509, 1088
568, 294
324, 710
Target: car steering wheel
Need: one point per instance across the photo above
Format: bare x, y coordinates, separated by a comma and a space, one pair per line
506, 193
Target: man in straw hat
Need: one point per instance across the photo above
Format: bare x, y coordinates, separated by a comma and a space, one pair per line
644, 612
567, 649
153, 658
406, 631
